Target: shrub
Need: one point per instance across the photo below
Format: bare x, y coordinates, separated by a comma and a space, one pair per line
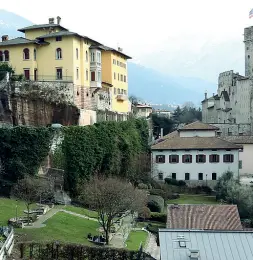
142, 186
181, 183
145, 213
155, 184
174, 196
160, 217
154, 206
158, 201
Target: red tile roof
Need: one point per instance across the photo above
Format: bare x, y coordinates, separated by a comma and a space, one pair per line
211, 217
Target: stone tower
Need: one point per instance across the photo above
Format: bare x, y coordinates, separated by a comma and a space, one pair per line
248, 41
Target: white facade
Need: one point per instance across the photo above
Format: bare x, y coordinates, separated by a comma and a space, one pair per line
199, 133
194, 168
246, 158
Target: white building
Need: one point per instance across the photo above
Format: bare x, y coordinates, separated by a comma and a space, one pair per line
245, 156
163, 112
194, 154
143, 110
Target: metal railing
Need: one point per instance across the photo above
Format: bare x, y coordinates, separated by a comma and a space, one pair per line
47, 78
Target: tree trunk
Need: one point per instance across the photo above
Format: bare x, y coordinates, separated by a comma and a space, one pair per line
107, 236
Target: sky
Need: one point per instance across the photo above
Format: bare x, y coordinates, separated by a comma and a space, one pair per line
195, 38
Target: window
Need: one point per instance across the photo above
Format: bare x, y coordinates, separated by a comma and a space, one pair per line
118, 90
114, 61
121, 77
35, 54
58, 54
93, 56
174, 158
187, 158
77, 54
99, 76
122, 91
200, 158
118, 76
124, 78
1, 56
228, 158
99, 57
160, 159
93, 76
187, 176
27, 74
59, 73
240, 164
117, 62
160, 176
86, 56
200, 176
26, 54
214, 176
87, 75
115, 91
182, 244
77, 73
114, 75
214, 158
6, 56
125, 92
248, 56
174, 176
58, 38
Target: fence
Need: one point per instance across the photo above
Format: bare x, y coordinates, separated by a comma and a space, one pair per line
6, 248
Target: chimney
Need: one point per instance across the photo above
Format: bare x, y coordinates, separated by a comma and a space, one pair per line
5, 38
51, 20
120, 49
205, 96
58, 20
213, 94
161, 132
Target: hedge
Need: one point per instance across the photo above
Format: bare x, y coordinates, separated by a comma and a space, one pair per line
175, 182
154, 199
110, 148
160, 217
22, 151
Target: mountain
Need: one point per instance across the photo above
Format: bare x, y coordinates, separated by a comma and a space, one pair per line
148, 84
10, 22
156, 87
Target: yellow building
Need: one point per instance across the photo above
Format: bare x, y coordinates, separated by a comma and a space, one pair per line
50, 52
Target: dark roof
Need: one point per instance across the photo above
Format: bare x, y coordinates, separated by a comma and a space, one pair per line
66, 33
211, 217
239, 139
194, 143
16, 41
224, 93
39, 26
105, 48
197, 125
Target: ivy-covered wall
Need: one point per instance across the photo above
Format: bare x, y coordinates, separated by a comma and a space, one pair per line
22, 151
103, 148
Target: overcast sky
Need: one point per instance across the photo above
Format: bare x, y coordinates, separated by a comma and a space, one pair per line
148, 28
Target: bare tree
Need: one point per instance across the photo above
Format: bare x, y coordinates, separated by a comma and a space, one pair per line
31, 190
111, 197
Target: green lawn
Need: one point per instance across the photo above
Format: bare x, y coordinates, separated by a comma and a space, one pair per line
193, 199
8, 209
82, 211
135, 239
62, 227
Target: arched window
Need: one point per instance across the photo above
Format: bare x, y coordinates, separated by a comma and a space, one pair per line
6, 55
35, 54
160, 176
26, 54
214, 176
187, 176
58, 54
87, 57
1, 56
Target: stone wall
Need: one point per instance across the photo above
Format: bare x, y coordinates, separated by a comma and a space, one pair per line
234, 129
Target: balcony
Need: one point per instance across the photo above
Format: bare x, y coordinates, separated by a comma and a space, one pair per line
95, 84
49, 78
121, 97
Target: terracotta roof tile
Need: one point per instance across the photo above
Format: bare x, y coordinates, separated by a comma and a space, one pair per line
197, 125
178, 143
211, 217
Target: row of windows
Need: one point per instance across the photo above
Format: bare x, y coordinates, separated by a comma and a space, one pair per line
120, 77
93, 75
119, 63
187, 176
200, 158
119, 91
5, 55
